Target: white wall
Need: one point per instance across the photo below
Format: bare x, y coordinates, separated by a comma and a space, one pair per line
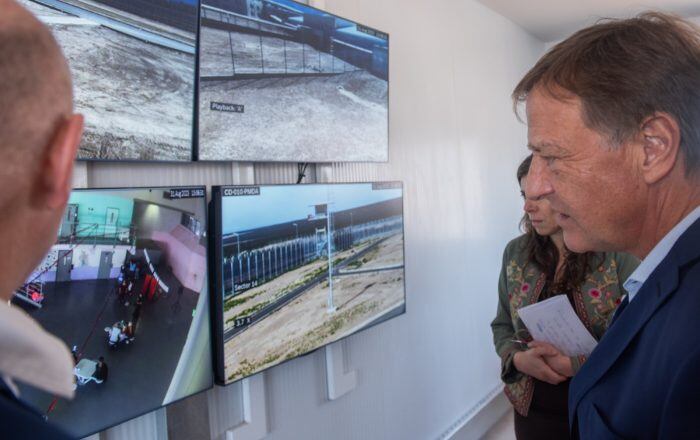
86, 260
456, 144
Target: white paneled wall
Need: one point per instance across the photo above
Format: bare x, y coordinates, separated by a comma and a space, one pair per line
115, 174
456, 145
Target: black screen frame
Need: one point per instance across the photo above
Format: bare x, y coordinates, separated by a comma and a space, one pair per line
208, 284
217, 286
194, 141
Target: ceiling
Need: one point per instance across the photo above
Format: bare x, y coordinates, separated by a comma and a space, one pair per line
552, 20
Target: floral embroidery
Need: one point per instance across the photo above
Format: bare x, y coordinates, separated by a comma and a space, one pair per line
595, 301
520, 394
604, 280
517, 293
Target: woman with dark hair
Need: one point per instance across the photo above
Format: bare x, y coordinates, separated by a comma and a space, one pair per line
536, 266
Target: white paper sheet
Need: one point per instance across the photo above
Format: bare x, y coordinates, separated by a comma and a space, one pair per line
554, 321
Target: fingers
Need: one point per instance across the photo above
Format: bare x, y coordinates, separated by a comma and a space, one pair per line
552, 377
549, 375
560, 364
555, 366
535, 365
536, 344
545, 371
543, 349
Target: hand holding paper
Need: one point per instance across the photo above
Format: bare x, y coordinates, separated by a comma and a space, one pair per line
555, 322
557, 361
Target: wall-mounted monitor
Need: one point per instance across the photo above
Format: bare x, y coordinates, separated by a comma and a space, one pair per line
281, 81
133, 67
126, 281
296, 267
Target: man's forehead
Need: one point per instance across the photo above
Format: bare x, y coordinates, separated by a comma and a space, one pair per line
543, 108
545, 146
552, 123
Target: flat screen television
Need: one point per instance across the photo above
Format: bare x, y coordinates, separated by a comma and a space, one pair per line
126, 280
282, 81
133, 66
272, 245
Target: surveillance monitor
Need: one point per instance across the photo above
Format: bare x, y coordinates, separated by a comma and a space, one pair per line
133, 70
281, 81
296, 267
125, 287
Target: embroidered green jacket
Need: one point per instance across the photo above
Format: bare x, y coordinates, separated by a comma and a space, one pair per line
521, 285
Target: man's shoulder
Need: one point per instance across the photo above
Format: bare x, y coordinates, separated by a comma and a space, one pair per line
686, 250
683, 260
19, 421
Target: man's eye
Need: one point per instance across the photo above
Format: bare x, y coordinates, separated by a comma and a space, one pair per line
549, 159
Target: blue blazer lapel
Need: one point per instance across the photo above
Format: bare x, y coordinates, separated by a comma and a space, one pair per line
658, 287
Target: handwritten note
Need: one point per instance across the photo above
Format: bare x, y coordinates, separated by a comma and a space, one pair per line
554, 321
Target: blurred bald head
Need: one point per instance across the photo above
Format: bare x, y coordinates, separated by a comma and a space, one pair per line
35, 91
39, 137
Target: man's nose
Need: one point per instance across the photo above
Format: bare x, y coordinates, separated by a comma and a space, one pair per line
530, 206
538, 179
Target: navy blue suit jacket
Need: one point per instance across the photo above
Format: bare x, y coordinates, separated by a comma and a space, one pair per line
643, 379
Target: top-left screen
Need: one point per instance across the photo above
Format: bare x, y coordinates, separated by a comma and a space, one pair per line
133, 66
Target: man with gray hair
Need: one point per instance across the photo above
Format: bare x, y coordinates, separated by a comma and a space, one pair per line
613, 116
39, 136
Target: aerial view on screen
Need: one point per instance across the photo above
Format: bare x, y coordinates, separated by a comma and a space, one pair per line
133, 66
280, 299
280, 81
125, 286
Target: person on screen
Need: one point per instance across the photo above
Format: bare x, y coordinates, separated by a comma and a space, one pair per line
137, 270
101, 370
136, 314
129, 292
129, 331
74, 353
39, 137
613, 115
536, 266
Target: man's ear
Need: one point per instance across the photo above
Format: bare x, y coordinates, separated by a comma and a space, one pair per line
55, 181
661, 137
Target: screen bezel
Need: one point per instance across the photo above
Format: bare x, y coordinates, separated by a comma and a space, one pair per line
216, 251
208, 284
194, 104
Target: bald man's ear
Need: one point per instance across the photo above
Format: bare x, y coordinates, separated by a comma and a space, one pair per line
57, 170
661, 145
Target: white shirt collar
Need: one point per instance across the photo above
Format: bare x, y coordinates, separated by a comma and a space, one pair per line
656, 256
33, 356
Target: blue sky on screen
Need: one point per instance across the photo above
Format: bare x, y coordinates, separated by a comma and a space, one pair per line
280, 204
299, 6
348, 26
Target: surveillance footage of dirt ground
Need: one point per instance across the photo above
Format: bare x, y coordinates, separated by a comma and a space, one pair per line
137, 96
